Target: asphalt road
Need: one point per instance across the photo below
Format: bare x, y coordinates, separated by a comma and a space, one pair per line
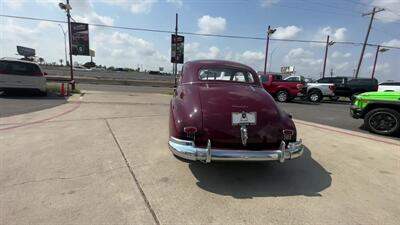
329, 113
25, 102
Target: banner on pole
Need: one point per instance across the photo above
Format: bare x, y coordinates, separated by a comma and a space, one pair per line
177, 48
80, 38
27, 52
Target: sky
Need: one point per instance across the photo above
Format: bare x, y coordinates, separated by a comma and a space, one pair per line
293, 19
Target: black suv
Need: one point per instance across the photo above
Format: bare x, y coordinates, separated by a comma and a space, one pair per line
350, 87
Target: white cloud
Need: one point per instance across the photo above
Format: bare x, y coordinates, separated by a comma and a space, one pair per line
338, 34
267, 3
367, 55
392, 10
381, 68
176, 2
297, 53
211, 25
191, 48
393, 42
286, 32
135, 6
337, 54
12, 4
93, 17
212, 53
142, 6
251, 56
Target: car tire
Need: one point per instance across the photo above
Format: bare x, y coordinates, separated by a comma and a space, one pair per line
43, 93
315, 96
282, 96
383, 121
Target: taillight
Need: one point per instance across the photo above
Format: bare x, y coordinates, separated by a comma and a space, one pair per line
190, 130
299, 86
332, 87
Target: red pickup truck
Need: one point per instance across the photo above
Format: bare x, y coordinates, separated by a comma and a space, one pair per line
281, 89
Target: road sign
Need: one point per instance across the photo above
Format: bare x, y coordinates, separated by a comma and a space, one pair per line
27, 52
80, 38
177, 48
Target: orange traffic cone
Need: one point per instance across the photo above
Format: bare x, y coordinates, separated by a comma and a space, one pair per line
62, 91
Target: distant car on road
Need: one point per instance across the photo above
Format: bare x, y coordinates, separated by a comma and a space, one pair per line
282, 90
18, 74
380, 111
220, 112
81, 68
389, 86
315, 91
351, 87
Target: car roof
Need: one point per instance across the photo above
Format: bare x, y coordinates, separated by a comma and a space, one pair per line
217, 62
18, 60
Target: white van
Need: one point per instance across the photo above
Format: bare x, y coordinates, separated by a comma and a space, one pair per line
18, 74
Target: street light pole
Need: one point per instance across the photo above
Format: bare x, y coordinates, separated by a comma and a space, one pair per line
378, 49
328, 43
269, 32
70, 46
65, 43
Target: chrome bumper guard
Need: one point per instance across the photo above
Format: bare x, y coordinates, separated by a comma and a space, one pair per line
187, 150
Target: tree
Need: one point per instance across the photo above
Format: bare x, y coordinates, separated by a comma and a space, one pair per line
61, 61
41, 60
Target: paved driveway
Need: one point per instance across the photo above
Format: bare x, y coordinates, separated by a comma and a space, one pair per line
104, 159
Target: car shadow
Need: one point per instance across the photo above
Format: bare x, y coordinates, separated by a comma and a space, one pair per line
303, 176
22, 94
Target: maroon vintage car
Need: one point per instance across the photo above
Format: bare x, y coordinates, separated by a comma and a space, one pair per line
221, 112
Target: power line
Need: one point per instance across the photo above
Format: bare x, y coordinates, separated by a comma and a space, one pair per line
196, 34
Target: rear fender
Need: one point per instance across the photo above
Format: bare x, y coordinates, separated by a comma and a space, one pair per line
185, 111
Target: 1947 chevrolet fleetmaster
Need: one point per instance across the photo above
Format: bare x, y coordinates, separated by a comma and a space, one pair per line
220, 112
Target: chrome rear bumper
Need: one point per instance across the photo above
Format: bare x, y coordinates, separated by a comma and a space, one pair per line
187, 150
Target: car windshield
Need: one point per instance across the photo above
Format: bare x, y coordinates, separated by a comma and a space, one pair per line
226, 74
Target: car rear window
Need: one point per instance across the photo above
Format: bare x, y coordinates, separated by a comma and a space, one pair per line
226, 74
20, 68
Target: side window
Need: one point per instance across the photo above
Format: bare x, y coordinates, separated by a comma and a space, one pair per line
264, 79
324, 80
292, 79
277, 77
18, 68
3, 66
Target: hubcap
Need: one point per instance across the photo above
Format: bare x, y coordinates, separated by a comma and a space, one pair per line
282, 97
383, 122
314, 97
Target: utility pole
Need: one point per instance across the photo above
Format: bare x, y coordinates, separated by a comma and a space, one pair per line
331, 72
175, 67
378, 49
269, 32
70, 47
328, 43
375, 10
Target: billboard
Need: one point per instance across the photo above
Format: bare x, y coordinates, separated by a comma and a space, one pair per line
177, 48
80, 38
27, 52
287, 69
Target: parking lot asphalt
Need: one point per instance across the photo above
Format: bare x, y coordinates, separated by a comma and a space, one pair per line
103, 158
24, 102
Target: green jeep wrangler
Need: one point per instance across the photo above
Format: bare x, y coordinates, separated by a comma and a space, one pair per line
380, 111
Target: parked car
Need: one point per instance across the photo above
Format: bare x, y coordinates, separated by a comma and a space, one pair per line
351, 87
315, 91
18, 74
282, 90
220, 112
389, 86
380, 111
